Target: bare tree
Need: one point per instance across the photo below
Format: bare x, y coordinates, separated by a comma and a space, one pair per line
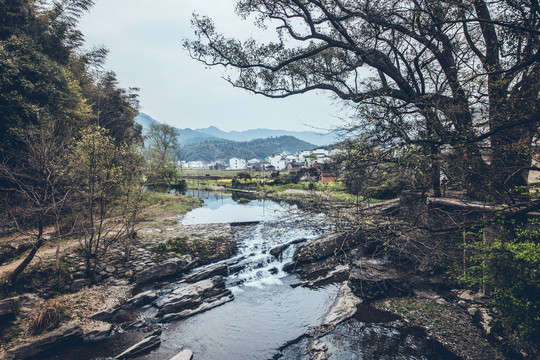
37, 192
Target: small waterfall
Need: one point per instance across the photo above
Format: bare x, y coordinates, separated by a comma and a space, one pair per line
257, 266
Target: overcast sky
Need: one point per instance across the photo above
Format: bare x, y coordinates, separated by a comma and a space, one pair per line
144, 38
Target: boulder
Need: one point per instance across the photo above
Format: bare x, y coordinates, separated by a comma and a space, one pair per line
8, 308
185, 354
372, 279
219, 269
70, 332
318, 350
142, 346
165, 269
277, 252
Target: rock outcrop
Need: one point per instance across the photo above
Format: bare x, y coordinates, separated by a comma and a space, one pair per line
325, 247
17, 307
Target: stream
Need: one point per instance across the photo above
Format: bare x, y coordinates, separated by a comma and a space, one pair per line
267, 312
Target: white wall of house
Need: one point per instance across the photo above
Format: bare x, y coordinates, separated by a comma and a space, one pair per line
278, 161
237, 164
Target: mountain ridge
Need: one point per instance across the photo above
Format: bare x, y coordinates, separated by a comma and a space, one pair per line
190, 136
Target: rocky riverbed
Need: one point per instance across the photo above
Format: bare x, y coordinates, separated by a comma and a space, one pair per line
123, 289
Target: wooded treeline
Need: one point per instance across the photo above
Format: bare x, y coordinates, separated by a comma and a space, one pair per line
72, 161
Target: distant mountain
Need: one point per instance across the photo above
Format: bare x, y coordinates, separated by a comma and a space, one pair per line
187, 136
259, 148
212, 133
211, 144
312, 137
145, 121
190, 137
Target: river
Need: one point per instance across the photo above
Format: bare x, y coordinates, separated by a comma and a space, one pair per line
267, 312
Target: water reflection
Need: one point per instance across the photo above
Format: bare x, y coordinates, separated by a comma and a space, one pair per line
235, 207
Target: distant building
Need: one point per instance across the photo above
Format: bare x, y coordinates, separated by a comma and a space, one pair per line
196, 164
278, 161
237, 164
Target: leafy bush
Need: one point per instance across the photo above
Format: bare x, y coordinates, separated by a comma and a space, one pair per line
508, 267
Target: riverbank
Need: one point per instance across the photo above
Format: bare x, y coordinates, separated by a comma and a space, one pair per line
70, 297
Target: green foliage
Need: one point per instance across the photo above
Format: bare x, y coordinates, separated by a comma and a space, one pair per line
163, 146
508, 267
183, 245
109, 184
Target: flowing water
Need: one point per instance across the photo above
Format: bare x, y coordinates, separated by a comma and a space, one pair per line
267, 312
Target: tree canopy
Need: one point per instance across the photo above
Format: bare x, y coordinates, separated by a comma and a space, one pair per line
53, 96
447, 76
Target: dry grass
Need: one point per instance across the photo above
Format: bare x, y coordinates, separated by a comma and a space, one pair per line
48, 317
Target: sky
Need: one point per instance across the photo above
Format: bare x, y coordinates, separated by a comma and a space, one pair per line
145, 37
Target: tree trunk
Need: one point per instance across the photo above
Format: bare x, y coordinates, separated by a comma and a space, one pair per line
13, 277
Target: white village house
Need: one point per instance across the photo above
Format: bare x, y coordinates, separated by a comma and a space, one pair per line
237, 164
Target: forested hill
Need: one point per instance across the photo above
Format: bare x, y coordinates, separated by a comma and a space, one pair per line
258, 148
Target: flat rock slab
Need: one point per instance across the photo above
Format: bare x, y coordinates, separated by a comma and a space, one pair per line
32, 348
344, 307
142, 346
140, 299
165, 269
339, 274
99, 334
212, 303
183, 355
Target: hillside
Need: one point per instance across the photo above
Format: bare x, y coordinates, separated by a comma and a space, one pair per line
258, 148
312, 137
194, 136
